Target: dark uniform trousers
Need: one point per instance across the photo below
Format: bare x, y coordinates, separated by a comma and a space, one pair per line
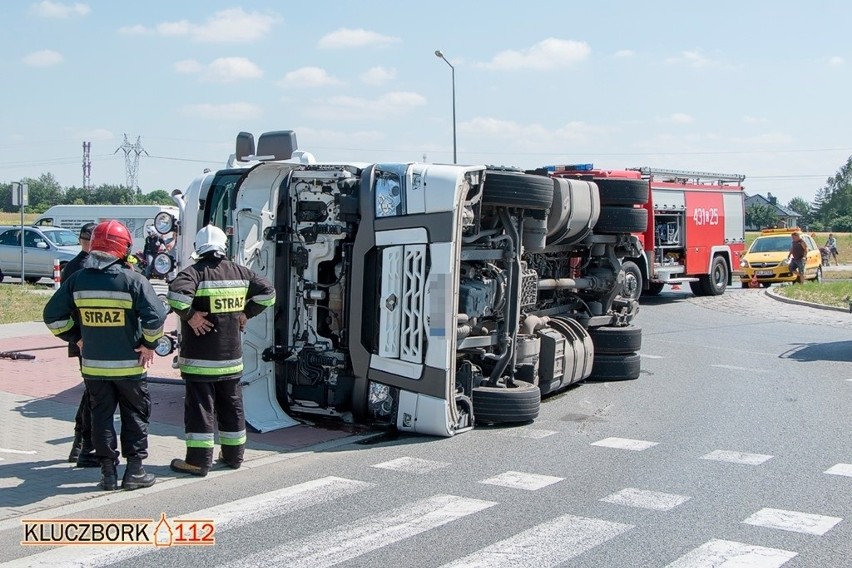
203, 399
134, 405
83, 418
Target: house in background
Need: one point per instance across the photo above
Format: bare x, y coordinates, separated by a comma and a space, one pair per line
786, 217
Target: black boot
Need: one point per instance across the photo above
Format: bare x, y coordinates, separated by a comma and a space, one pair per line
76, 448
109, 477
87, 457
135, 476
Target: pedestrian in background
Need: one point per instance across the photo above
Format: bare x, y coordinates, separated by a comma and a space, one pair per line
797, 256
120, 321
214, 298
82, 449
831, 245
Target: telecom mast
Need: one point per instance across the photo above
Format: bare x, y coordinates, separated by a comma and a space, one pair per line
87, 166
131, 160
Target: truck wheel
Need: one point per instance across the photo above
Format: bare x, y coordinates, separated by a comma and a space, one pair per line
526, 191
654, 289
616, 220
503, 405
610, 340
622, 191
715, 283
623, 367
631, 288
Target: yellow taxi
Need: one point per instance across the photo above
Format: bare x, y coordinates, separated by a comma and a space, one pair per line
765, 261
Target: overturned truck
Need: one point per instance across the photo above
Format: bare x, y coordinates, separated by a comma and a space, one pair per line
429, 297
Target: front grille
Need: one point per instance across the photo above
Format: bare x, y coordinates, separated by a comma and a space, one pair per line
763, 264
413, 295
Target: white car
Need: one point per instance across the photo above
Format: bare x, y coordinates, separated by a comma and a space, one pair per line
41, 246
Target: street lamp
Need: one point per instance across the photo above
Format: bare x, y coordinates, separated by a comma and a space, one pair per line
441, 56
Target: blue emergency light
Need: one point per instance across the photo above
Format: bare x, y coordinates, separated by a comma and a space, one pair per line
571, 168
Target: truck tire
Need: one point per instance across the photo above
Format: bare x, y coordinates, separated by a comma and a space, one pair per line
654, 288
512, 189
631, 288
715, 283
623, 367
617, 220
503, 405
611, 340
622, 191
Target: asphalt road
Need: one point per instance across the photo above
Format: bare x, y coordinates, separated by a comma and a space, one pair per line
733, 446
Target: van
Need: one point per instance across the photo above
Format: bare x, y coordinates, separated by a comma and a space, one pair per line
134, 217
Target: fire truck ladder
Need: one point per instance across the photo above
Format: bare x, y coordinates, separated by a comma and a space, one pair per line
686, 176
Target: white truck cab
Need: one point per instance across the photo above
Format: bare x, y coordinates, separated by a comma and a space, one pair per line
429, 297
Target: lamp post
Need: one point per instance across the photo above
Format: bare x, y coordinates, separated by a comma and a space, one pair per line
440, 55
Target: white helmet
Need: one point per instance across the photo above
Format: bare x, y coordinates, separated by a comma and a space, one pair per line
210, 238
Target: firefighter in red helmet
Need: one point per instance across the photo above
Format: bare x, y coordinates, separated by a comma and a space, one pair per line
115, 316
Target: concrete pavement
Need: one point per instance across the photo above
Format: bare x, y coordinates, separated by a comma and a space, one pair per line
38, 401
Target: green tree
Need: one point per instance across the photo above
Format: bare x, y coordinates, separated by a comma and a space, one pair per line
835, 198
760, 216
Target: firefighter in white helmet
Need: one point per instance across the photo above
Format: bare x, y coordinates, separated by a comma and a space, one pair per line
213, 298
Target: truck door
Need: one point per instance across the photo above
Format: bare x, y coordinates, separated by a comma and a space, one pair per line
255, 211
704, 215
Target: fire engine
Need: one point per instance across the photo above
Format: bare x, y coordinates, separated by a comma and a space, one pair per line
428, 297
695, 231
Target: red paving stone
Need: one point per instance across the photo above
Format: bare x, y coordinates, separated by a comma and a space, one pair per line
55, 376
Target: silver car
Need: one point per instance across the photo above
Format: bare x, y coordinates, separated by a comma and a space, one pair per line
41, 246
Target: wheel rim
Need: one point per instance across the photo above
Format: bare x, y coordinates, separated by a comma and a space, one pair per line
630, 286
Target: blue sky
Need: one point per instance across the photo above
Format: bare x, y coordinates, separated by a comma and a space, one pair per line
757, 88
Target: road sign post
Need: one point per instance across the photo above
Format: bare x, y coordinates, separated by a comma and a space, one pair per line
20, 197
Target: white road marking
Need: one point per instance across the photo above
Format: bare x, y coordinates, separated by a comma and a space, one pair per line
729, 554
227, 516
521, 480
736, 457
544, 545
527, 432
8, 451
624, 444
840, 469
736, 368
644, 499
411, 465
651, 356
793, 521
352, 540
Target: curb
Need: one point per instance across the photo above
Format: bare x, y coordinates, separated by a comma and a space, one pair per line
780, 298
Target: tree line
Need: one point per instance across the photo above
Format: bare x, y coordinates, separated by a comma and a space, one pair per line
831, 209
45, 191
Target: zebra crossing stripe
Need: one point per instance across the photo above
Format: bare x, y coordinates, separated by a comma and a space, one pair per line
411, 465
794, 521
229, 515
736, 457
840, 469
345, 542
521, 480
544, 545
727, 553
624, 444
643, 499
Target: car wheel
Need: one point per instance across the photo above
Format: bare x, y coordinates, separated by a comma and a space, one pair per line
504, 405
631, 288
32, 279
766, 284
818, 277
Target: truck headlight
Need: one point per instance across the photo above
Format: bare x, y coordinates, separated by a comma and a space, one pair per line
380, 400
164, 222
390, 200
163, 264
165, 345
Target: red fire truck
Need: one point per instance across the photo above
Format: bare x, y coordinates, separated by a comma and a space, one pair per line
695, 231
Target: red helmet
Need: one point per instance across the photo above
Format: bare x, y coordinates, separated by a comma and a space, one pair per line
112, 238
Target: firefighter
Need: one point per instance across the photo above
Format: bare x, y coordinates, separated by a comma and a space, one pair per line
214, 298
82, 450
113, 314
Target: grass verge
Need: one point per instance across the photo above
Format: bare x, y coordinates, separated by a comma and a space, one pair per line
829, 293
22, 303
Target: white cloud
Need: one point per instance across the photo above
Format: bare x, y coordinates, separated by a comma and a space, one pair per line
690, 58
378, 75
227, 111
48, 9
550, 53
542, 136
227, 69
188, 66
753, 119
226, 26
309, 77
390, 104
94, 135
680, 118
836, 61
43, 58
625, 53
345, 38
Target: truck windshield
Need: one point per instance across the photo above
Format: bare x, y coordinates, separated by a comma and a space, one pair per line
219, 208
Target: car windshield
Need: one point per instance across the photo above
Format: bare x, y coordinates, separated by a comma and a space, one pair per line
62, 237
781, 243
